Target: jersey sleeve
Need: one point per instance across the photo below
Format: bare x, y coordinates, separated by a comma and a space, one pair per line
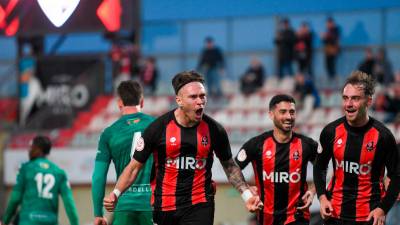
322, 161
393, 171
221, 144
313, 151
99, 179
68, 200
103, 151
15, 197
148, 142
247, 153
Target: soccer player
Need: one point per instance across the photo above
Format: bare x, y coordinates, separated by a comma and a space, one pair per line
360, 148
279, 158
117, 143
183, 142
39, 182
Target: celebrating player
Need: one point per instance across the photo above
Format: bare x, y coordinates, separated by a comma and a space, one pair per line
279, 158
360, 148
183, 142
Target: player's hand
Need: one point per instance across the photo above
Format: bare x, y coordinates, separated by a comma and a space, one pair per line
307, 199
254, 190
254, 204
100, 221
110, 202
378, 215
326, 207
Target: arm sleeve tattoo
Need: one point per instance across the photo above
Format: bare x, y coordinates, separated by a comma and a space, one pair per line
234, 175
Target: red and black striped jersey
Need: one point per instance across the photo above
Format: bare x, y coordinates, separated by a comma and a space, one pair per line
280, 172
183, 157
359, 157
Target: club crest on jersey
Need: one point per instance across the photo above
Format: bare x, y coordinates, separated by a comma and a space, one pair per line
370, 146
296, 155
172, 140
339, 142
268, 154
140, 144
242, 155
204, 140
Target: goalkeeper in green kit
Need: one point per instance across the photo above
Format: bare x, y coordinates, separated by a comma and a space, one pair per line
117, 143
39, 182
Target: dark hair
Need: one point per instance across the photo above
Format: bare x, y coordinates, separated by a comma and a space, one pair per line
360, 78
43, 143
130, 92
209, 39
185, 77
280, 98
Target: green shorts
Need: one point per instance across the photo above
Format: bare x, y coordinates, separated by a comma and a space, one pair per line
133, 218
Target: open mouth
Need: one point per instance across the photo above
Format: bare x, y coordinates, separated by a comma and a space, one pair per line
199, 112
351, 111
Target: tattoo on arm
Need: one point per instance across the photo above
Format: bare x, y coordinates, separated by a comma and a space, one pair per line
234, 174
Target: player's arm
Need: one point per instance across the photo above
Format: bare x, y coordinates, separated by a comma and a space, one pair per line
143, 150
126, 179
321, 163
393, 172
15, 198
99, 177
233, 171
320, 171
68, 200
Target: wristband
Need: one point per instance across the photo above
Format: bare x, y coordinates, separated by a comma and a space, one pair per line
246, 195
116, 192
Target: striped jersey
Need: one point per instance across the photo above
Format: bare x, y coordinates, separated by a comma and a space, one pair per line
280, 172
183, 158
359, 156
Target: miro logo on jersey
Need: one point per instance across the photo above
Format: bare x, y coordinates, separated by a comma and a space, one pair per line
282, 177
186, 163
353, 167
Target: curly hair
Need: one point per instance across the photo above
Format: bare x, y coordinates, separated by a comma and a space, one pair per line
365, 80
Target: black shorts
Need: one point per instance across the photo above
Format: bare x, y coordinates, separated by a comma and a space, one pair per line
199, 214
333, 221
299, 223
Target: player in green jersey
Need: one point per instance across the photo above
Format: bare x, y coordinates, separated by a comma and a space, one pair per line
39, 182
117, 143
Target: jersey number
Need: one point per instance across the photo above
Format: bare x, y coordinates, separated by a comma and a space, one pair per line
135, 139
44, 184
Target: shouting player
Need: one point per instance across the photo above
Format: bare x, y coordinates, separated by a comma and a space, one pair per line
279, 158
360, 148
117, 144
183, 142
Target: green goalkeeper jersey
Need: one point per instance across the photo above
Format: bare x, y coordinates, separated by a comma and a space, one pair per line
117, 144
39, 182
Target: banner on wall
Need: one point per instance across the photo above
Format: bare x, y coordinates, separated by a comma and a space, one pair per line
54, 89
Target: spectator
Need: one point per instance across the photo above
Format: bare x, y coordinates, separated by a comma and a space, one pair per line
149, 75
211, 64
253, 78
368, 63
303, 49
304, 86
394, 104
382, 70
285, 40
331, 46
